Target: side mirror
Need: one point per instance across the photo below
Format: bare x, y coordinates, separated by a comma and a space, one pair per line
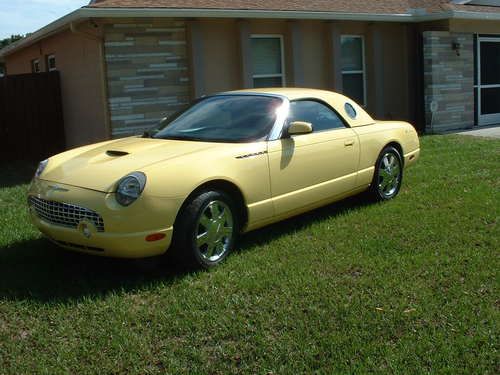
300, 127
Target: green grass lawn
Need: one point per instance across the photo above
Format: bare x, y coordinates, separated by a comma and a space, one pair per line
407, 286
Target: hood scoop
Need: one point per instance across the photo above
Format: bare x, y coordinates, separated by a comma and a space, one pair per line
114, 153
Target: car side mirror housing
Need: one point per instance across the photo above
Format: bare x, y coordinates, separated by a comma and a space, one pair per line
300, 127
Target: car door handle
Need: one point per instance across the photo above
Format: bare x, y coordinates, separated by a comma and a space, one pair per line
349, 143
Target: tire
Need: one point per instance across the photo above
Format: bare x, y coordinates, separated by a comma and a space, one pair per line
388, 175
206, 229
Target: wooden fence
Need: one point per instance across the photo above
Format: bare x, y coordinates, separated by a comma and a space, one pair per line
31, 119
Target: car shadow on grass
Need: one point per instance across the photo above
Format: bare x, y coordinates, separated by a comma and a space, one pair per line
38, 270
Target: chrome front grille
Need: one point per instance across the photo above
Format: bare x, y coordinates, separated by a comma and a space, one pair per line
64, 214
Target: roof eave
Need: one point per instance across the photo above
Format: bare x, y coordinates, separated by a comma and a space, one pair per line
88, 12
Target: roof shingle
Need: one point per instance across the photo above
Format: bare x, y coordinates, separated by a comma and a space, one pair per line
347, 6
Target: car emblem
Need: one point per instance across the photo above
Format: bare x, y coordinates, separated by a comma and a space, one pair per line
85, 228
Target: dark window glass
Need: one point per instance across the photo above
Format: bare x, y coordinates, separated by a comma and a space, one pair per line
353, 87
352, 54
349, 109
35, 66
224, 118
490, 101
267, 82
490, 63
51, 63
266, 55
320, 116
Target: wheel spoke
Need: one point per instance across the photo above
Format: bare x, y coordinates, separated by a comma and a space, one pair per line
202, 239
383, 184
210, 249
223, 214
385, 161
383, 173
388, 186
395, 171
227, 230
214, 210
219, 248
204, 220
389, 174
392, 161
214, 239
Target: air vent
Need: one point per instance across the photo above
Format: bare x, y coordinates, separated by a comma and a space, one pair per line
114, 153
251, 155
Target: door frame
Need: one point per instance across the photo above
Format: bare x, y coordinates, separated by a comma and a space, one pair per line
493, 118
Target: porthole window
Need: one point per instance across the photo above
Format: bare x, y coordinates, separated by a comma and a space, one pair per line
349, 109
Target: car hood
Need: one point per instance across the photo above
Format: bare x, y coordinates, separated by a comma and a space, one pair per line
99, 167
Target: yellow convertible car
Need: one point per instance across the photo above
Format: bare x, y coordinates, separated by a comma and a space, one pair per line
230, 163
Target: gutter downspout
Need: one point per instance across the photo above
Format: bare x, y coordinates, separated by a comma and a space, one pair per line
104, 86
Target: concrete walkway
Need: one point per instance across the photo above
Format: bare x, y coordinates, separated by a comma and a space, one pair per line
491, 132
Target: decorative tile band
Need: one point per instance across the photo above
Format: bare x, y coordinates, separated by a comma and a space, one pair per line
148, 75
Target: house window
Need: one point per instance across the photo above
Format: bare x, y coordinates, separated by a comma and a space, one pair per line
51, 63
35, 66
268, 63
353, 67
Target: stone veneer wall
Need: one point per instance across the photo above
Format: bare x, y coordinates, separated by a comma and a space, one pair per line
147, 73
448, 80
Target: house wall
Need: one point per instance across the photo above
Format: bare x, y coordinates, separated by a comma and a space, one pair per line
217, 59
147, 70
449, 81
475, 26
150, 68
220, 51
221, 68
78, 60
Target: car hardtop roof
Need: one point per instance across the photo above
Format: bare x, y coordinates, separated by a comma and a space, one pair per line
337, 101
292, 93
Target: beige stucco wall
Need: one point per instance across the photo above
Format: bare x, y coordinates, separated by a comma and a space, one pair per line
475, 26
222, 58
222, 67
314, 55
78, 60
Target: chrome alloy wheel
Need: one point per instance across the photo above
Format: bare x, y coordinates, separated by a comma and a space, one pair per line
389, 175
214, 231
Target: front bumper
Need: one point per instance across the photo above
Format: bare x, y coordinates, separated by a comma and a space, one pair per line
125, 228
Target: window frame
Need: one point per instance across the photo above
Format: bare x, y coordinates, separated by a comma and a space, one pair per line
47, 59
326, 105
37, 62
363, 71
282, 52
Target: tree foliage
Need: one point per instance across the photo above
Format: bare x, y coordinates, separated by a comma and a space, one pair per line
13, 38
4, 43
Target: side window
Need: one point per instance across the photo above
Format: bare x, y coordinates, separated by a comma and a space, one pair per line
319, 115
51, 63
35, 66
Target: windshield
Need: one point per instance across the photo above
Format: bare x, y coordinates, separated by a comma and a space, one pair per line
223, 118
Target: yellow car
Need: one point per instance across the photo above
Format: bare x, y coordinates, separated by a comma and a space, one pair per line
230, 163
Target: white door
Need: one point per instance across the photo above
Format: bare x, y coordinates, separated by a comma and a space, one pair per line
488, 80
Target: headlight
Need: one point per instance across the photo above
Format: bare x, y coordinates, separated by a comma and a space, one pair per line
130, 188
41, 168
